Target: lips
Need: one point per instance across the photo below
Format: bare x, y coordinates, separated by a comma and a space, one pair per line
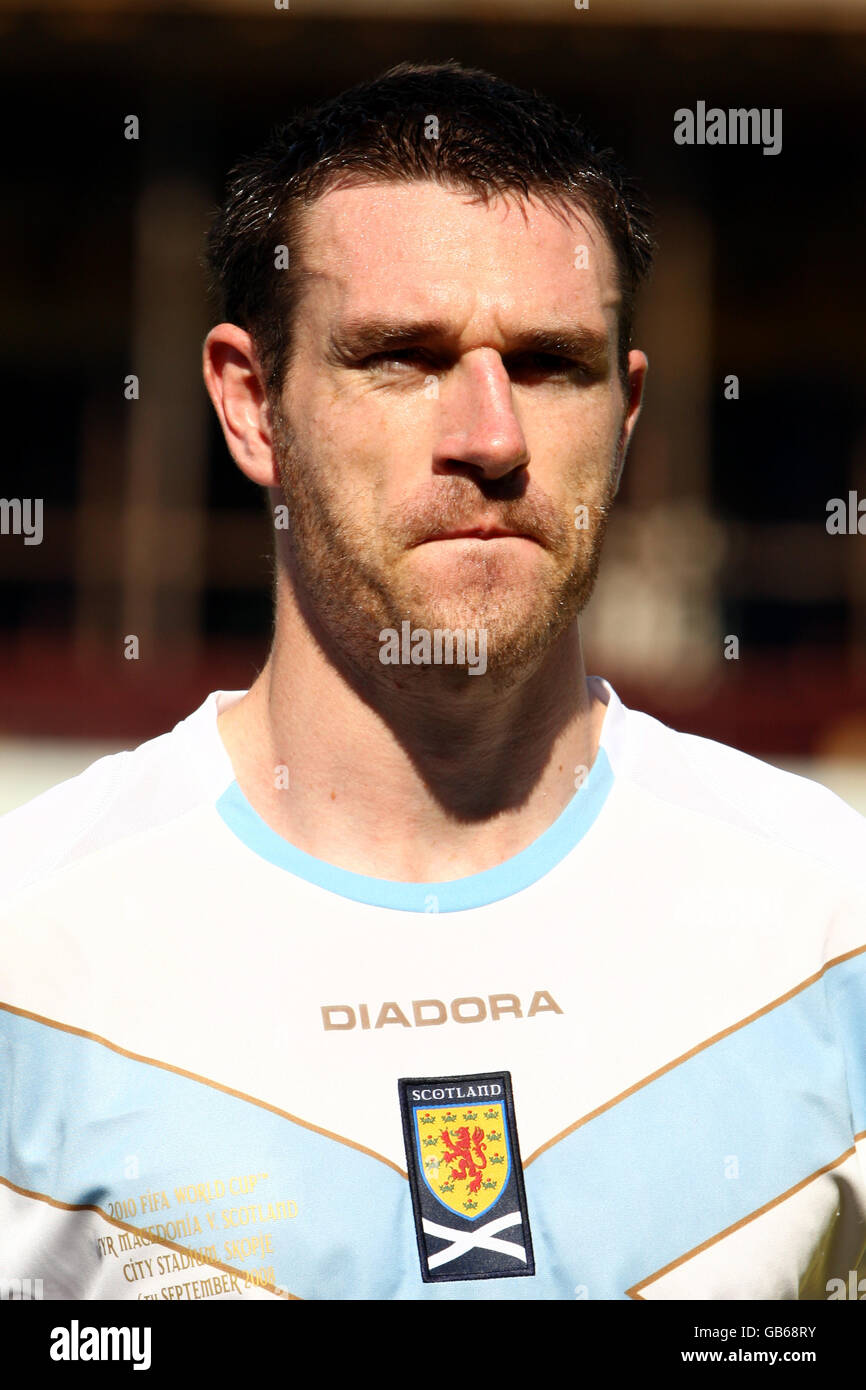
479, 533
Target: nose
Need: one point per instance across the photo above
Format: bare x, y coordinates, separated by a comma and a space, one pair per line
477, 423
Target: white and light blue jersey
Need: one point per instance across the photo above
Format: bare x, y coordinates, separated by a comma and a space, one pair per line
628, 1062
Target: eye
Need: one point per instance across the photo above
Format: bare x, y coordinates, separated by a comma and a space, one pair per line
548, 364
400, 356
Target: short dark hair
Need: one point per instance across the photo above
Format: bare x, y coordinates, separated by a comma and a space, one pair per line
493, 139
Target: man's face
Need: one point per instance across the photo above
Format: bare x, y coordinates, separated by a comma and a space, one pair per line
390, 437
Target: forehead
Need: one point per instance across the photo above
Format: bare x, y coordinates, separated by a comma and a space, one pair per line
417, 246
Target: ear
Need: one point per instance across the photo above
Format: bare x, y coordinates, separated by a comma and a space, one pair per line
637, 370
235, 384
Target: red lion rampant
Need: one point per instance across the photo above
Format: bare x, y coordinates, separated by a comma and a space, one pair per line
467, 1152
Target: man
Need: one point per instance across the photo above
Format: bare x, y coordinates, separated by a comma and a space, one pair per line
424, 968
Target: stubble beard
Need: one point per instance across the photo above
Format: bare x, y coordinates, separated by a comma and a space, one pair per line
338, 580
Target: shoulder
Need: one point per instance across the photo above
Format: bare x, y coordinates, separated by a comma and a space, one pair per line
117, 797
720, 784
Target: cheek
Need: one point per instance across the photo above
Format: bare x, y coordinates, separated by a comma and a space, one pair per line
346, 423
575, 441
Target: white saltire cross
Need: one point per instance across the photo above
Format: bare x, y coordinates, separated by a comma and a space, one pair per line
484, 1238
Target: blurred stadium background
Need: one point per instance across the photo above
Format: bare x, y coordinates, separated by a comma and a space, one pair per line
148, 527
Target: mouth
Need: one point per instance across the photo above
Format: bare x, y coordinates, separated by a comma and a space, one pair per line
477, 533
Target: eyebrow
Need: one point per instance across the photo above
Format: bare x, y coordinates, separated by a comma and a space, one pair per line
363, 337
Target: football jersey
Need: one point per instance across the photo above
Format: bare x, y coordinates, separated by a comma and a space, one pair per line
629, 1062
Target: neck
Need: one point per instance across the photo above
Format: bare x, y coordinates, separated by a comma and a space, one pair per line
419, 784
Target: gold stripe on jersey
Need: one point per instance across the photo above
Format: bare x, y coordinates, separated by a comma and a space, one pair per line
634, 1291
693, 1052
204, 1081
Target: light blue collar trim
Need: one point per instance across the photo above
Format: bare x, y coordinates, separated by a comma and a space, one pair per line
451, 895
